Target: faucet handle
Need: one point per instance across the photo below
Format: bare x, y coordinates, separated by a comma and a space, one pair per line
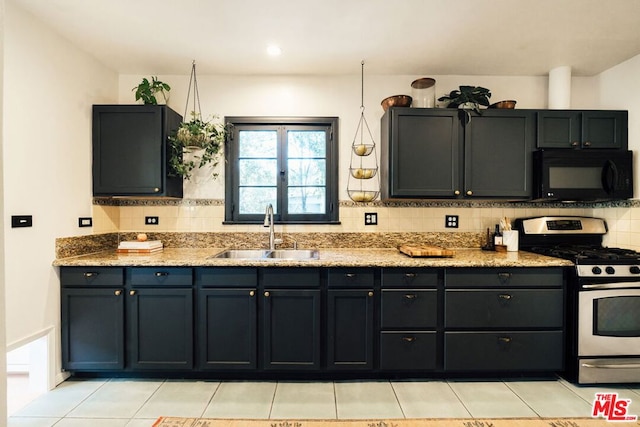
277, 241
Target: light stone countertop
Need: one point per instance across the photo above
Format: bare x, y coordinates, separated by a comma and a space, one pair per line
358, 257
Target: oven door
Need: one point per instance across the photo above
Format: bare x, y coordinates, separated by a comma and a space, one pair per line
609, 319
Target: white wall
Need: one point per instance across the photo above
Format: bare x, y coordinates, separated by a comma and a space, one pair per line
3, 346
49, 87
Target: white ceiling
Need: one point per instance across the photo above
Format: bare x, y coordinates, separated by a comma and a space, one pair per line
407, 37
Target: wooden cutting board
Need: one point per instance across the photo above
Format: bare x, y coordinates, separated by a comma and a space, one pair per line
425, 251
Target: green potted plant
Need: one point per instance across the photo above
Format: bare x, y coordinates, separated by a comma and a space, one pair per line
195, 144
150, 91
468, 97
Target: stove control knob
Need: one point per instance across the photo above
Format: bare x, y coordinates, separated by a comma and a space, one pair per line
610, 270
634, 269
596, 270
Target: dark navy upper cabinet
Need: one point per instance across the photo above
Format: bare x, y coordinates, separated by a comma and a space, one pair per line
449, 153
574, 129
131, 152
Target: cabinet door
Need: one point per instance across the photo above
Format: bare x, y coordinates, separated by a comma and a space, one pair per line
420, 153
130, 150
498, 154
350, 329
92, 329
227, 329
559, 129
604, 129
160, 323
291, 329
582, 129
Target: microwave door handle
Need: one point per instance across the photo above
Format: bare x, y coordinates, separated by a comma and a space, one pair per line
610, 177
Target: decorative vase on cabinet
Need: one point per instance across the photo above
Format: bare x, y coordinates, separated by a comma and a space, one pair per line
130, 151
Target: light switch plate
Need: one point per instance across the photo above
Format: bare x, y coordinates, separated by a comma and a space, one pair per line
18, 221
85, 221
151, 220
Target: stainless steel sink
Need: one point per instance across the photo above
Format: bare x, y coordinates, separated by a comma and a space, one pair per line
243, 254
283, 254
294, 254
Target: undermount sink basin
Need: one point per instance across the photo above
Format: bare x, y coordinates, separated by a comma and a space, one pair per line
266, 254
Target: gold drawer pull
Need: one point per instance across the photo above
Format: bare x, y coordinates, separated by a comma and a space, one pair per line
252, 293
505, 297
118, 293
410, 297
409, 339
161, 273
370, 293
90, 274
266, 294
132, 293
350, 275
504, 340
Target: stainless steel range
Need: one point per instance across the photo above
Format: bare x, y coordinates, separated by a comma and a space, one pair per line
603, 298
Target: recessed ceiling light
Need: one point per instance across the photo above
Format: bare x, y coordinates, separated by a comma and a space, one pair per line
273, 50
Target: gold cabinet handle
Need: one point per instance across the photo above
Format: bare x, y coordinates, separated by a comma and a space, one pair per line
370, 293
266, 294
156, 190
118, 293
469, 193
132, 293
504, 277
410, 296
408, 339
587, 144
457, 192
350, 275
252, 293
575, 143
90, 274
505, 297
504, 340
161, 273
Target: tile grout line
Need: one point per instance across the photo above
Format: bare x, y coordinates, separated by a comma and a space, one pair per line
83, 400
163, 382
335, 399
521, 399
211, 399
459, 399
273, 399
398, 400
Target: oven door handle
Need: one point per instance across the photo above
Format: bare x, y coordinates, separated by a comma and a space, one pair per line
612, 366
617, 285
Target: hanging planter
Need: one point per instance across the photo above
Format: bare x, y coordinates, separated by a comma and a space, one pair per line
198, 142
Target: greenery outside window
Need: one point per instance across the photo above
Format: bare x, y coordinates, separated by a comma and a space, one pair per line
290, 163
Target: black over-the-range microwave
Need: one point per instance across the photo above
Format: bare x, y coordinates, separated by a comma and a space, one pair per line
582, 175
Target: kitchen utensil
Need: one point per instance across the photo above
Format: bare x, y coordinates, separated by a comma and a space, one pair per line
396, 101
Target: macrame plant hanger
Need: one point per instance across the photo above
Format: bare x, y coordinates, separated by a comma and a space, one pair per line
363, 183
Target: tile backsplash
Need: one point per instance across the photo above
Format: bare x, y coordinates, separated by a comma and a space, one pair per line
206, 215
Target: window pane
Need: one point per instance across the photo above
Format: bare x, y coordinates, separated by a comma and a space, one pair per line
254, 200
306, 200
306, 144
307, 172
257, 143
258, 172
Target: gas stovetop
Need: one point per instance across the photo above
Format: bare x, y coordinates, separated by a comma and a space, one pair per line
578, 239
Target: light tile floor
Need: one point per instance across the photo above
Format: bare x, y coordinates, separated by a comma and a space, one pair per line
138, 403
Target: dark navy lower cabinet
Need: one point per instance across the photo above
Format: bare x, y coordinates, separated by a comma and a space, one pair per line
350, 329
160, 325
291, 329
92, 329
227, 334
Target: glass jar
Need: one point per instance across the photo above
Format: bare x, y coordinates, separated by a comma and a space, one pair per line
423, 92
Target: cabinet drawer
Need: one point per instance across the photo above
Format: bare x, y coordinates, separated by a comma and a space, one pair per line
160, 276
407, 351
409, 308
291, 277
508, 308
414, 278
227, 277
351, 277
501, 277
91, 276
503, 351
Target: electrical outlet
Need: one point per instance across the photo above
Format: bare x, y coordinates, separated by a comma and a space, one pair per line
151, 220
451, 221
85, 221
371, 218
